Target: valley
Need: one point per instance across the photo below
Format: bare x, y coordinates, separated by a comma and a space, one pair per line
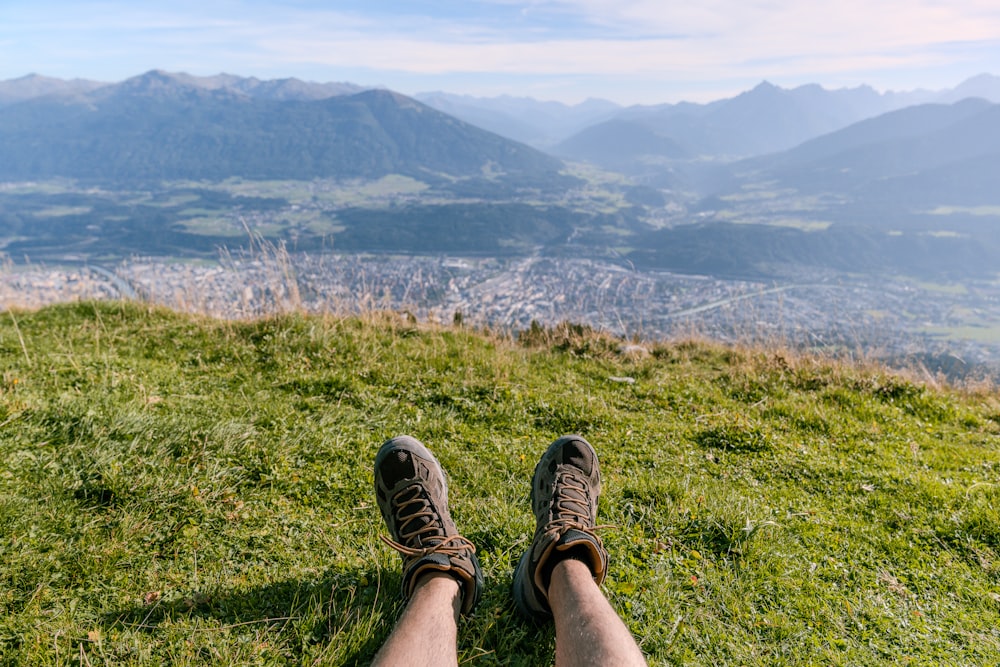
948, 329
846, 221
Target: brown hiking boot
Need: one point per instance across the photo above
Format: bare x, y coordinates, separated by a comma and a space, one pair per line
564, 492
412, 495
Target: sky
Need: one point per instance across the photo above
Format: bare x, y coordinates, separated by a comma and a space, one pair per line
627, 51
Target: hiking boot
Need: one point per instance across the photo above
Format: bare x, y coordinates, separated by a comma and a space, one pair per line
564, 492
412, 495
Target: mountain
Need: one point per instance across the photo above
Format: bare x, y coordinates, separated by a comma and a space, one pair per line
622, 145
912, 191
181, 143
165, 127
275, 89
770, 118
34, 86
536, 123
875, 157
985, 86
763, 120
687, 148
909, 123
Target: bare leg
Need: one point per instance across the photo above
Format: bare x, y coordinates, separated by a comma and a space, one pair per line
588, 630
426, 634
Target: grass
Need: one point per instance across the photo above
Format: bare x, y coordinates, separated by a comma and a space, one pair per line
186, 491
982, 333
212, 225
332, 193
954, 289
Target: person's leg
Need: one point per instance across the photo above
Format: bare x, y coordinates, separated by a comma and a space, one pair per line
588, 630
441, 574
560, 574
427, 632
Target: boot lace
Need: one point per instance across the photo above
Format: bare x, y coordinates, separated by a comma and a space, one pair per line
420, 524
570, 508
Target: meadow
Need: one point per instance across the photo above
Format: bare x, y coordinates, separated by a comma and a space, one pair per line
180, 490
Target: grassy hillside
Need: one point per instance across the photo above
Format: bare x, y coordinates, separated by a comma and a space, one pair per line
179, 491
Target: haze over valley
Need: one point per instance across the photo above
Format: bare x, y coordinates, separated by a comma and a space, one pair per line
848, 220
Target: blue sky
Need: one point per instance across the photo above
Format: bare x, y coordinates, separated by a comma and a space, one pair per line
629, 51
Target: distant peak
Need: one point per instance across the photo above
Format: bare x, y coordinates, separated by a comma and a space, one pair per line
764, 89
385, 94
597, 102
980, 78
152, 77
160, 84
156, 74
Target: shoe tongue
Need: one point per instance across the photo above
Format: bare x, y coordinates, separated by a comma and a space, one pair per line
574, 454
398, 467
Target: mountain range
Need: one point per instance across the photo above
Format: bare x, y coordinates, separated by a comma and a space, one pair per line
536, 123
753, 122
848, 179
35, 86
913, 191
884, 154
766, 119
160, 126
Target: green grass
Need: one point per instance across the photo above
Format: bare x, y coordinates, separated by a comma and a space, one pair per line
336, 193
955, 289
213, 225
181, 491
983, 333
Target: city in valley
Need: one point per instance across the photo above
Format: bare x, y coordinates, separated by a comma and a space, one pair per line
950, 330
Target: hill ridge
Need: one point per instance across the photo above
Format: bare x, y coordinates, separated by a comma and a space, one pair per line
158, 126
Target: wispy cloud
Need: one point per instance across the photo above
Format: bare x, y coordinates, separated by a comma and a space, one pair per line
650, 43
848, 35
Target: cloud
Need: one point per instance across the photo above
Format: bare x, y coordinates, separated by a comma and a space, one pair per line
684, 40
665, 58
649, 41
649, 17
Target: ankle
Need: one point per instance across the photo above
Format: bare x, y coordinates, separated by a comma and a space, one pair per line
441, 586
578, 555
571, 567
